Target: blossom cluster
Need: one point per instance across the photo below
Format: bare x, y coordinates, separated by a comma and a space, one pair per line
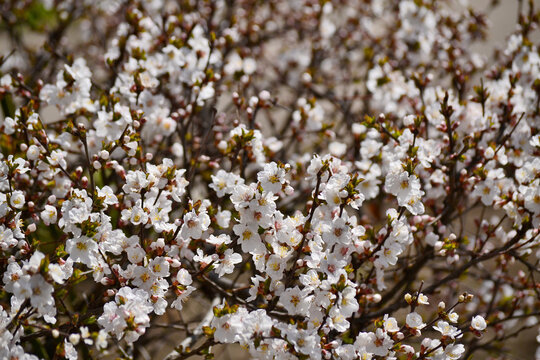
307, 179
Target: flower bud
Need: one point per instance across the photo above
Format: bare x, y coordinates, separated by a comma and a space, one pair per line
264, 95
74, 338
160, 243
104, 154
222, 145
408, 298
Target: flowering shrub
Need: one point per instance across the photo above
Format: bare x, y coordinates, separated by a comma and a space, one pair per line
308, 179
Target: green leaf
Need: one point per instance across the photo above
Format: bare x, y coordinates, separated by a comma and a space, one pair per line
38, 17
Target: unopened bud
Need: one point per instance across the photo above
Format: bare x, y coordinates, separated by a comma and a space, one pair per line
74, 338
264, 95
160, 243
222, 145
104, 154
306, 78
408, 298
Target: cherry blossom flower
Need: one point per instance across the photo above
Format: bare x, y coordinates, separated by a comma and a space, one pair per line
478, 323
414, 320
266, 174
